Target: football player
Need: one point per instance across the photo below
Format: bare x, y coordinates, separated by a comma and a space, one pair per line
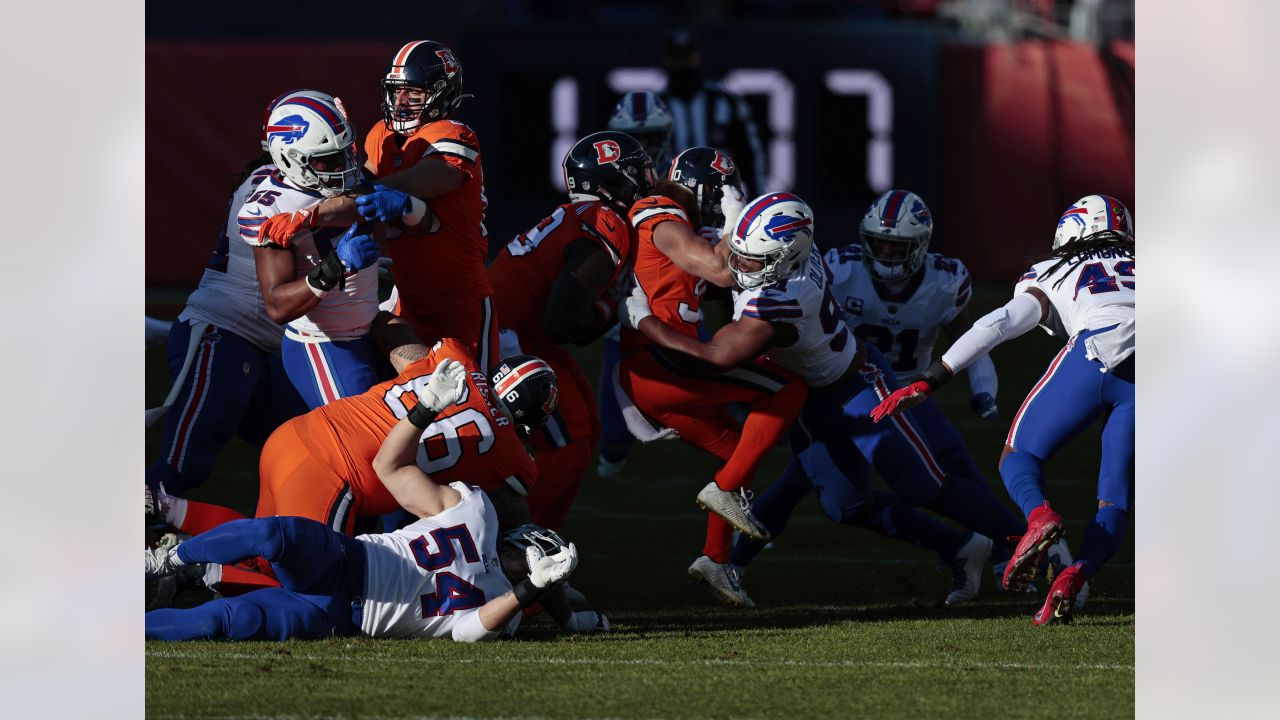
438, 577
321, 282
224, 356
1083, 291
672, 266
551, 287
785, 308
643, 116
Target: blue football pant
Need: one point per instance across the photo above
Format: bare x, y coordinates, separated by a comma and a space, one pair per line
326, 371
233, 388
320, 572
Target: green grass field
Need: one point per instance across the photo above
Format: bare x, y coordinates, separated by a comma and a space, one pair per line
848, 625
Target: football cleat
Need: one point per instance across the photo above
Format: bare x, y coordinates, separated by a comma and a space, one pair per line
586, 621
1044, 528
1059, 557
966, 568
723, 580
1062, 597
606, 468
735, 507
163, 559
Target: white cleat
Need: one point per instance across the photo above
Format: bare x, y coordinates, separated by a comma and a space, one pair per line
586, 621
735, 507
1060, 559
723, 580
162, 559
967, 567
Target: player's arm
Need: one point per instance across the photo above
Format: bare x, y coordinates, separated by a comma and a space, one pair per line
983, 382
545, 573
691, 253
572, 314
394, 337
288, 297
396, 461
737, 343
430, 177
1016, 317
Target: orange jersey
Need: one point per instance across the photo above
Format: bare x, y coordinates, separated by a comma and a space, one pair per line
527, 268
674, 295
471, 441
436, 269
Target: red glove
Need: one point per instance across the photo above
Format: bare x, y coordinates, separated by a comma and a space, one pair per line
279, 229
900, 401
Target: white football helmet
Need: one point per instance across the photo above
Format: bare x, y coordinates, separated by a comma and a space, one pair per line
313, 143
895, 235
772, 238
644, 116
314, 94
1094, 215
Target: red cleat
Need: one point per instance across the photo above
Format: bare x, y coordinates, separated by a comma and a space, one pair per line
1062, 597
1044, 527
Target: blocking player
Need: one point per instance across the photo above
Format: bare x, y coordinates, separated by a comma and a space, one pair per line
785, 308
672, 266
438, 577
1084, 291
321, 282
551, 285
224, 356
643, 116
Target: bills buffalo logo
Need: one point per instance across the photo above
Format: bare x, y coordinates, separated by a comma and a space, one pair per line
921, 213
785, 227
449, 63
553, 398
1074, 215
722, 164
288, 129
607, 151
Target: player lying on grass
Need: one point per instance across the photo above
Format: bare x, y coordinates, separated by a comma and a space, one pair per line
437, 577
785, 310
1092, 304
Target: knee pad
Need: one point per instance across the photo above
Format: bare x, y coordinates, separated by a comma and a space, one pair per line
243, 621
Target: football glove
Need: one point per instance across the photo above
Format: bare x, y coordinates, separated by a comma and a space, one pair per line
900, 401
357, 250
546, 570
984, 405
730, 204
278, 230
383, 204
445, 386
635, 309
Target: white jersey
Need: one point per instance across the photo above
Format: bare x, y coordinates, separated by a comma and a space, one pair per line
421, 580
903, 325
228, 295
1091, 291
341, 314
824, 349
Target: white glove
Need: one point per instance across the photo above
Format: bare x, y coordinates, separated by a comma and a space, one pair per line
544, 570
635, 309
730, 205
445, 387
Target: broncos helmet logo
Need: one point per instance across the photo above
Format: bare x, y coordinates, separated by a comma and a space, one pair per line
785, 227
288, 129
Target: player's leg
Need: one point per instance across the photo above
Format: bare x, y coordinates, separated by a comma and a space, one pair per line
773, 508
1116, 478
275, 402
565, 446
294, 482
324, 371
225, 372
615, 439
266, 614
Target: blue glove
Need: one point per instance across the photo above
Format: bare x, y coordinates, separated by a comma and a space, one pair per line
984, 405
356, 250
383, 204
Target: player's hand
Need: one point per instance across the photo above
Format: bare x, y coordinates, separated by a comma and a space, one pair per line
984, 405
383, 204
279, 229
357, 251
730, 204
635, 309
545, 570
445, 386
900, 401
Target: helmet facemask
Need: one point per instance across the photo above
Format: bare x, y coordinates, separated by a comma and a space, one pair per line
752, 271
893, 258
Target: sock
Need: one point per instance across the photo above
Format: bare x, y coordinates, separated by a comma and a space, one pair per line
889, 516
770, 417
719, 538
1101, 538
977, 510
198, 517
245, 576
1021, 474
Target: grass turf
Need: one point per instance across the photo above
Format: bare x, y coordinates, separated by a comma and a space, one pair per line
847, 625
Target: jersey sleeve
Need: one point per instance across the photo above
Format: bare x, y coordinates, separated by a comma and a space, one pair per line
770, 305
649, 212
963, 292
839, 259
456, 144
1027, 281
253, 215
607, 228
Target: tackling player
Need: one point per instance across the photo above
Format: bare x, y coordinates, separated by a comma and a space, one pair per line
322, 283
551, 285
1083, 291
672, 266
438, 577
785, 308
